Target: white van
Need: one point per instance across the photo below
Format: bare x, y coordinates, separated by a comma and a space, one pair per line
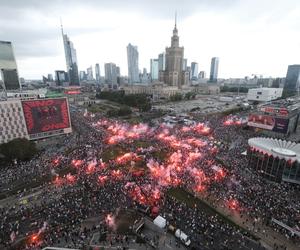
183, 237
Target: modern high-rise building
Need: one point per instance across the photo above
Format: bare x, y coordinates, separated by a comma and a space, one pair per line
71, 60
82, 76
194, 71
145, 78
118, 71
97, 72
214, 67
292, 80
174, 75
8, 67
50, 77
154, 69
133, 63
61, 77
184, 64
89, 71
110, 74
162, 62
202, 75
189, 71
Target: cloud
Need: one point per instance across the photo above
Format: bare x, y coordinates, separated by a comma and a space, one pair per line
101, 30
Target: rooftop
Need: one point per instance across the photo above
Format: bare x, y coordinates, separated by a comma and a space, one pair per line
277, 148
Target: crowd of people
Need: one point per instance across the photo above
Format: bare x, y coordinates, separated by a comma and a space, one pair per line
204, 159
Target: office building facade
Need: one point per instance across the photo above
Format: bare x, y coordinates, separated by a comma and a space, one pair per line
89, 71
61, 77
184, 64
194, 71
71, 61
97, 73
133, 63
292, 79
8, 67
214, 68
110, 74
154, 69
162, 62
202, 75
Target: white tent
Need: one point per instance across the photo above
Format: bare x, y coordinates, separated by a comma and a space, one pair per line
160, 222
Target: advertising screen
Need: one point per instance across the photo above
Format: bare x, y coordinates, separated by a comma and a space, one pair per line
268, 122
46, 115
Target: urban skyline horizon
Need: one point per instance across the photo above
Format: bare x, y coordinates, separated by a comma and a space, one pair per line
245, 45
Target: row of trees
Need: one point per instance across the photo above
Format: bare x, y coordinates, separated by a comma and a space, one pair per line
123, 111
140, 101
178, 97
17, 149
233, 89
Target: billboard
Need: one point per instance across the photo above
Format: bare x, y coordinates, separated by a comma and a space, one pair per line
275, 124
46, 115
275, 110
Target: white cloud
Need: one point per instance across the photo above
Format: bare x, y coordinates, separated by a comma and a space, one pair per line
257, 36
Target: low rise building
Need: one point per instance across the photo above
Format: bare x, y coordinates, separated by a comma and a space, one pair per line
264, 94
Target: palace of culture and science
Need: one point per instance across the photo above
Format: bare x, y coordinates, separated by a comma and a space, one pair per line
174, 74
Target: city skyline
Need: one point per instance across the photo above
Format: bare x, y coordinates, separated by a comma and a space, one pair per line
246, 44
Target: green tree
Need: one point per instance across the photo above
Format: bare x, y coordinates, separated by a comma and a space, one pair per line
175, 98
124, 111
20, 149
140, 101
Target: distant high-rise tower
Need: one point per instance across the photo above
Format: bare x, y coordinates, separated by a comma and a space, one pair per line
61, 77
154, 69
118, 70
214, 67
71, 60
202, 75
110, 74
174, 74
162, 62
184, 64
194, 71
97, 72
50, 77
82, 75
133, 63
292, 80
8, 67
89, 71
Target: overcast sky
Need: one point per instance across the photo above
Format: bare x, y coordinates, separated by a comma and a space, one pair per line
249, 36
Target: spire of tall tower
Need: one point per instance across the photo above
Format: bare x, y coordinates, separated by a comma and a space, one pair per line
175, 31
61, 26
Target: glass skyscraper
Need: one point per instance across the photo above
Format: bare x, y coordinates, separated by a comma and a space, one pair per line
133, 63
292, 79
214, 68
71, 60
110, 74
162, 62
154, 69
194, 71
8, 67
97, 72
